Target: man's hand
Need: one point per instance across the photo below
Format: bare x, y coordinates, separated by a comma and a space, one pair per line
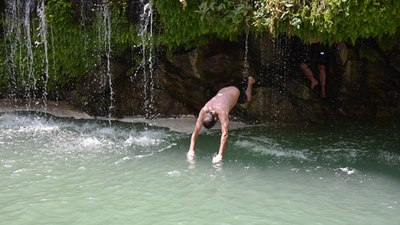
217, 158
190, 155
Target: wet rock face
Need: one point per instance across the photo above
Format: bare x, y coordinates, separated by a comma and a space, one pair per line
191, 78
2, 11
357, 86
195, 76
2, 6
370, 84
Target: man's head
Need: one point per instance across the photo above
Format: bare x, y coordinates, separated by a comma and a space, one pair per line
210, 119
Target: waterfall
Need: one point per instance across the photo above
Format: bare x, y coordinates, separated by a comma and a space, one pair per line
43, 36
12, 37
29, 52
23, 49
273, 69
107, 22
104, 41
83, 25
146, 34
27, 42
20, 56
274, 78
246, 55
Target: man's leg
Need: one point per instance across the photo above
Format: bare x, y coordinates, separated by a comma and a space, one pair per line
249, 91
322, 79
309, 74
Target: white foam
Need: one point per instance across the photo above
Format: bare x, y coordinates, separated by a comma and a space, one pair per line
351, 152
174, 173
27, 124
126, 158
143, 156
389, 157
272, 149
143, 141
107, 130
90, 142
347, 170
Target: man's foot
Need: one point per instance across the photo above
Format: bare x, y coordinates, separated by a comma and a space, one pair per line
313, 84
251, 80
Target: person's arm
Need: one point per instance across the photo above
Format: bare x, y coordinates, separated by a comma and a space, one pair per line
224, 137
195, 134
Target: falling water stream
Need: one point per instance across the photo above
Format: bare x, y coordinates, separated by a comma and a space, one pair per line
246, 55
20, 57
12, 35
30, 79
146, 36
104, 41
43, 35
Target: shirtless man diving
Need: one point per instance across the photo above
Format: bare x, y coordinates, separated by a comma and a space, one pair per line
218, 108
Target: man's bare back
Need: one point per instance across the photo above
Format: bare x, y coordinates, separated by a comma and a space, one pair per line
224, 100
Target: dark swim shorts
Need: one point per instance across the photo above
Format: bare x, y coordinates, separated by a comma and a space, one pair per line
311, 54
242, 89
318, 54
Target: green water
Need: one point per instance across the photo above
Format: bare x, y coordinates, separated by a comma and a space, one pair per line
61, 171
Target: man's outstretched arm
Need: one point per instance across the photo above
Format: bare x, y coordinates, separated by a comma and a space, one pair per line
224, 138
195, 134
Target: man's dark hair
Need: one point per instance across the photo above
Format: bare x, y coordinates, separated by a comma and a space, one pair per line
209, 120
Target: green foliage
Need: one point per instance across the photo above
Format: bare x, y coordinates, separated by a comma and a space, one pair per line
78, 48
123, 34
329, 20
68, 43
227, 18
192, 22
180, 25
388, 42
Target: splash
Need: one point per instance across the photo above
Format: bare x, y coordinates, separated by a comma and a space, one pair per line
347, 170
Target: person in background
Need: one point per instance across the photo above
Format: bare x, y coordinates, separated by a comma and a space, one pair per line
218, 108
316, 55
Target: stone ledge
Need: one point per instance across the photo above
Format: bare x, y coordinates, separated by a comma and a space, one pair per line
184, 123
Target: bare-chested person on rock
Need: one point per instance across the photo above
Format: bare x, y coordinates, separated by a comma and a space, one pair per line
218, 108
